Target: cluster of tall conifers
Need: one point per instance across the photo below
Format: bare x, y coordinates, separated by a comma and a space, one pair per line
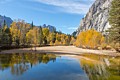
114, 19
5, 36
22, 33
93, 39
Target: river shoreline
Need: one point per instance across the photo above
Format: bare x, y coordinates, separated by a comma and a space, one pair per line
61, 50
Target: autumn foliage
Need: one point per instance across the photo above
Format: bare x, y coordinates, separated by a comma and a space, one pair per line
21, 33
89, 39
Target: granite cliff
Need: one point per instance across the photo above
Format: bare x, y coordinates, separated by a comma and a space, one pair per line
97, 17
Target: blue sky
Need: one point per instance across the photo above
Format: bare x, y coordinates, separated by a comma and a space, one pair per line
65, 15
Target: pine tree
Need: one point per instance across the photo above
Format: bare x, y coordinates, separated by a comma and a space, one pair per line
40, 35
32, 25
4, 23
0, 34
6, 38
114, 19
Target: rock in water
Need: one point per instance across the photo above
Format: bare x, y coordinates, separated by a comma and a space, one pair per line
97, 17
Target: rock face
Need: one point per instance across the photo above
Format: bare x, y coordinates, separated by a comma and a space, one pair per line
51, 28
97, 17
7, 19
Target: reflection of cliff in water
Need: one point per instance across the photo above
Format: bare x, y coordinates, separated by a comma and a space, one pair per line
94, 70
103, 69
19, 63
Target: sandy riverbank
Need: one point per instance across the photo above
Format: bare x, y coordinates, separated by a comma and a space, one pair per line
60, 49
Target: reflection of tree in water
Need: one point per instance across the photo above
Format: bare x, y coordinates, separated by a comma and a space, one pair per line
19, 63
94, 70
19, 69
114, 69
101, 67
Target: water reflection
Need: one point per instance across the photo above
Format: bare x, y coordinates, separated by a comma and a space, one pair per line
95, 70
19, 63
101, 67
32, 66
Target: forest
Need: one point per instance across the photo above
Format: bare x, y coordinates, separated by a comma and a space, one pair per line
24, 34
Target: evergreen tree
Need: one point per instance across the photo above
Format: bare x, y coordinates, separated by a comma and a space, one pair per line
6, 36
4, 23
32, 25
114, 19
40, 35
74, 33
0, 34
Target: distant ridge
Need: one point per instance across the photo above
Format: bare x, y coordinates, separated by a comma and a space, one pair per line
8, 20
51, 28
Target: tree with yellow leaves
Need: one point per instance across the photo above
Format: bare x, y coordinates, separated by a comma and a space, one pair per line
15, 33
72, 40
32, 37
89, 39
45, 35
52, 38
18, 31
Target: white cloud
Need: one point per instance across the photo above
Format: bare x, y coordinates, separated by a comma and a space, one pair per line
73, 28
69, 6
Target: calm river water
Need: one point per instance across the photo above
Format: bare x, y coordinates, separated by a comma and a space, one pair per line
31, 66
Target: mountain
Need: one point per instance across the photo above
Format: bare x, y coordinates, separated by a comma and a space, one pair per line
97, 17
8, 20
51, 28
